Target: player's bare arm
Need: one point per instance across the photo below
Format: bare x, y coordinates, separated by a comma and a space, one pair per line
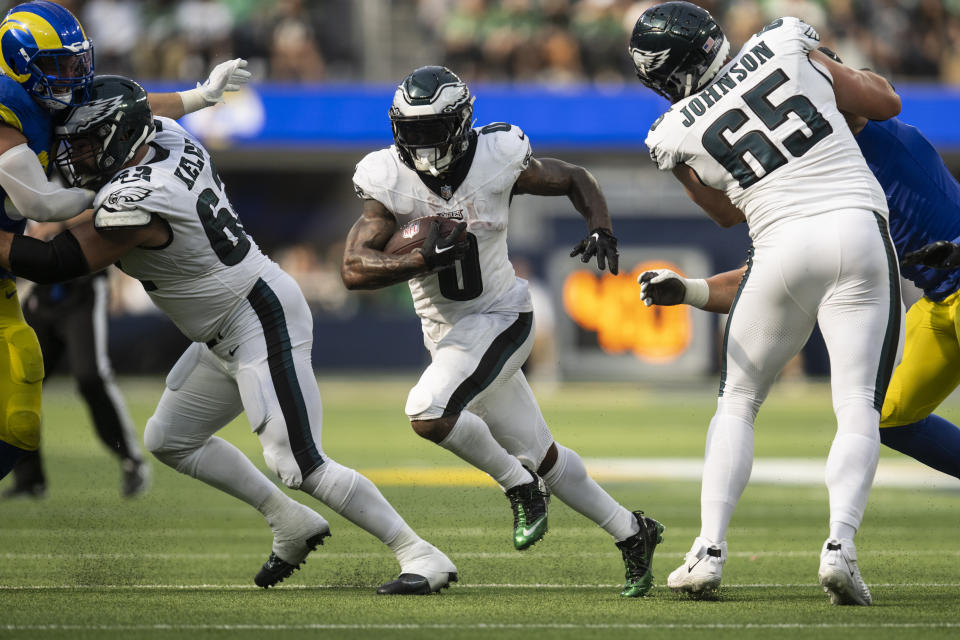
713, 201
80, 250
552, 177
860, 92
365, 265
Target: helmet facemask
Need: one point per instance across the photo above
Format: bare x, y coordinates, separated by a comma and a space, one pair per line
431, 117
62, 77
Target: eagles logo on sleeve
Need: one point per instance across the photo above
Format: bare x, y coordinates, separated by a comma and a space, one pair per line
124, 197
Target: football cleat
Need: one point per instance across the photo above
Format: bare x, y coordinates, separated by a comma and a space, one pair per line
529, 502
637, 551
296, 532
699, 575
136, 478
429, 571
840, 576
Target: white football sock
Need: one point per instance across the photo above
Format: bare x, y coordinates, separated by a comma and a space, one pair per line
726, 470
851, 465
471, 439
223, 466
357, 499
568, 480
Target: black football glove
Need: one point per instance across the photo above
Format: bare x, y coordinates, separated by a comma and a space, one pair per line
830, 54
602, 244
439, 252
939, 255
662, 287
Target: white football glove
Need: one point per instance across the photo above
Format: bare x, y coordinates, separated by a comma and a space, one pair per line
664, 287
226, 76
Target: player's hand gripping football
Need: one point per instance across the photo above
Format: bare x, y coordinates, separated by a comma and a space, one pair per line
226, 76
600, 243
662, 287
939, 255
439, 251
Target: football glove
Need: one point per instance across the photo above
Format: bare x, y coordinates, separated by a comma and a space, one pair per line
666, 288
939, 255
226, 76
439, 252
600, 243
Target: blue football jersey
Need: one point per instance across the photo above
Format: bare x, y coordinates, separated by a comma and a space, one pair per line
923, 197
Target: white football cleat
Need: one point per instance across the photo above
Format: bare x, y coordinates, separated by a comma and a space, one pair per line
839, 574
425, 570
699, 575
297, 530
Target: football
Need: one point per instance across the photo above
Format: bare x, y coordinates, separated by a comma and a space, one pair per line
410, 236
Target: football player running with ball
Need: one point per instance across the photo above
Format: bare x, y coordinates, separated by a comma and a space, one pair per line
476, 314
162, 214
761, 138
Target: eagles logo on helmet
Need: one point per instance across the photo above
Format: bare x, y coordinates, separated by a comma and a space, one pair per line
44, 48
677, 49
431, 116
100, 137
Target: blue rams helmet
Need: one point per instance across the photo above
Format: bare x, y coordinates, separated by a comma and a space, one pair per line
43, 47
677, 49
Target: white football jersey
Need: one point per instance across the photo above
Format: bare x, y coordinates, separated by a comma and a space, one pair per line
768, 133
484, 280
210, 263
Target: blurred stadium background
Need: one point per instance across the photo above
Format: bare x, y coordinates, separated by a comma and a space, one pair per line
324, 74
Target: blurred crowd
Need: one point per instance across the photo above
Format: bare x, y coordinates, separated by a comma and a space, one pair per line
571, 41
552, 41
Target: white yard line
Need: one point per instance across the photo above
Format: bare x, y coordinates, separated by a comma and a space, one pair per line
460, 585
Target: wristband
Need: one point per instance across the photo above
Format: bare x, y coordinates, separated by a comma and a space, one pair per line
193, 100
697, 293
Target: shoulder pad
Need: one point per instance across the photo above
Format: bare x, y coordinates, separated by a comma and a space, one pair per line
376, 174
508, 142
121, 205
790, 28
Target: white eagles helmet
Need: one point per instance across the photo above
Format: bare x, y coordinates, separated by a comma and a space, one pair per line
431, 116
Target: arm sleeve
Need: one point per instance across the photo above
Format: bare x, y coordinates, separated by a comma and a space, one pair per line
58, 260
33, 196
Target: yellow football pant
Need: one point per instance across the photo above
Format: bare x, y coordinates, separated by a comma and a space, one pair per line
930, 369
21, 373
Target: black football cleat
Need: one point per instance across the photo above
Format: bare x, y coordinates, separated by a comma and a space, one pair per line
411, 584
276, 569
637, 551
135, 478
35, 491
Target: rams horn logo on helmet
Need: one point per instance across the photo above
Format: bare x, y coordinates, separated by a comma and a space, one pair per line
122, 198
647, 61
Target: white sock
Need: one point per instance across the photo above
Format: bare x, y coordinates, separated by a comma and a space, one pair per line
851, 466
471, 439
726, 470
357, 499
568, 480
223, 466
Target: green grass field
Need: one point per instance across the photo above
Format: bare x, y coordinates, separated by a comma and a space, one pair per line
179, 562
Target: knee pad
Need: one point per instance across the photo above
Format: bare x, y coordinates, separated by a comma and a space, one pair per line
23, 418
421, 404
26, 360
739, 406
168, 449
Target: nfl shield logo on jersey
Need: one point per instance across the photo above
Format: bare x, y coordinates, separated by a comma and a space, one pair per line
446, 192
410, 230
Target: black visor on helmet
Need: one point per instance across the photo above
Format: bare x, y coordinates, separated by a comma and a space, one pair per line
429, 131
